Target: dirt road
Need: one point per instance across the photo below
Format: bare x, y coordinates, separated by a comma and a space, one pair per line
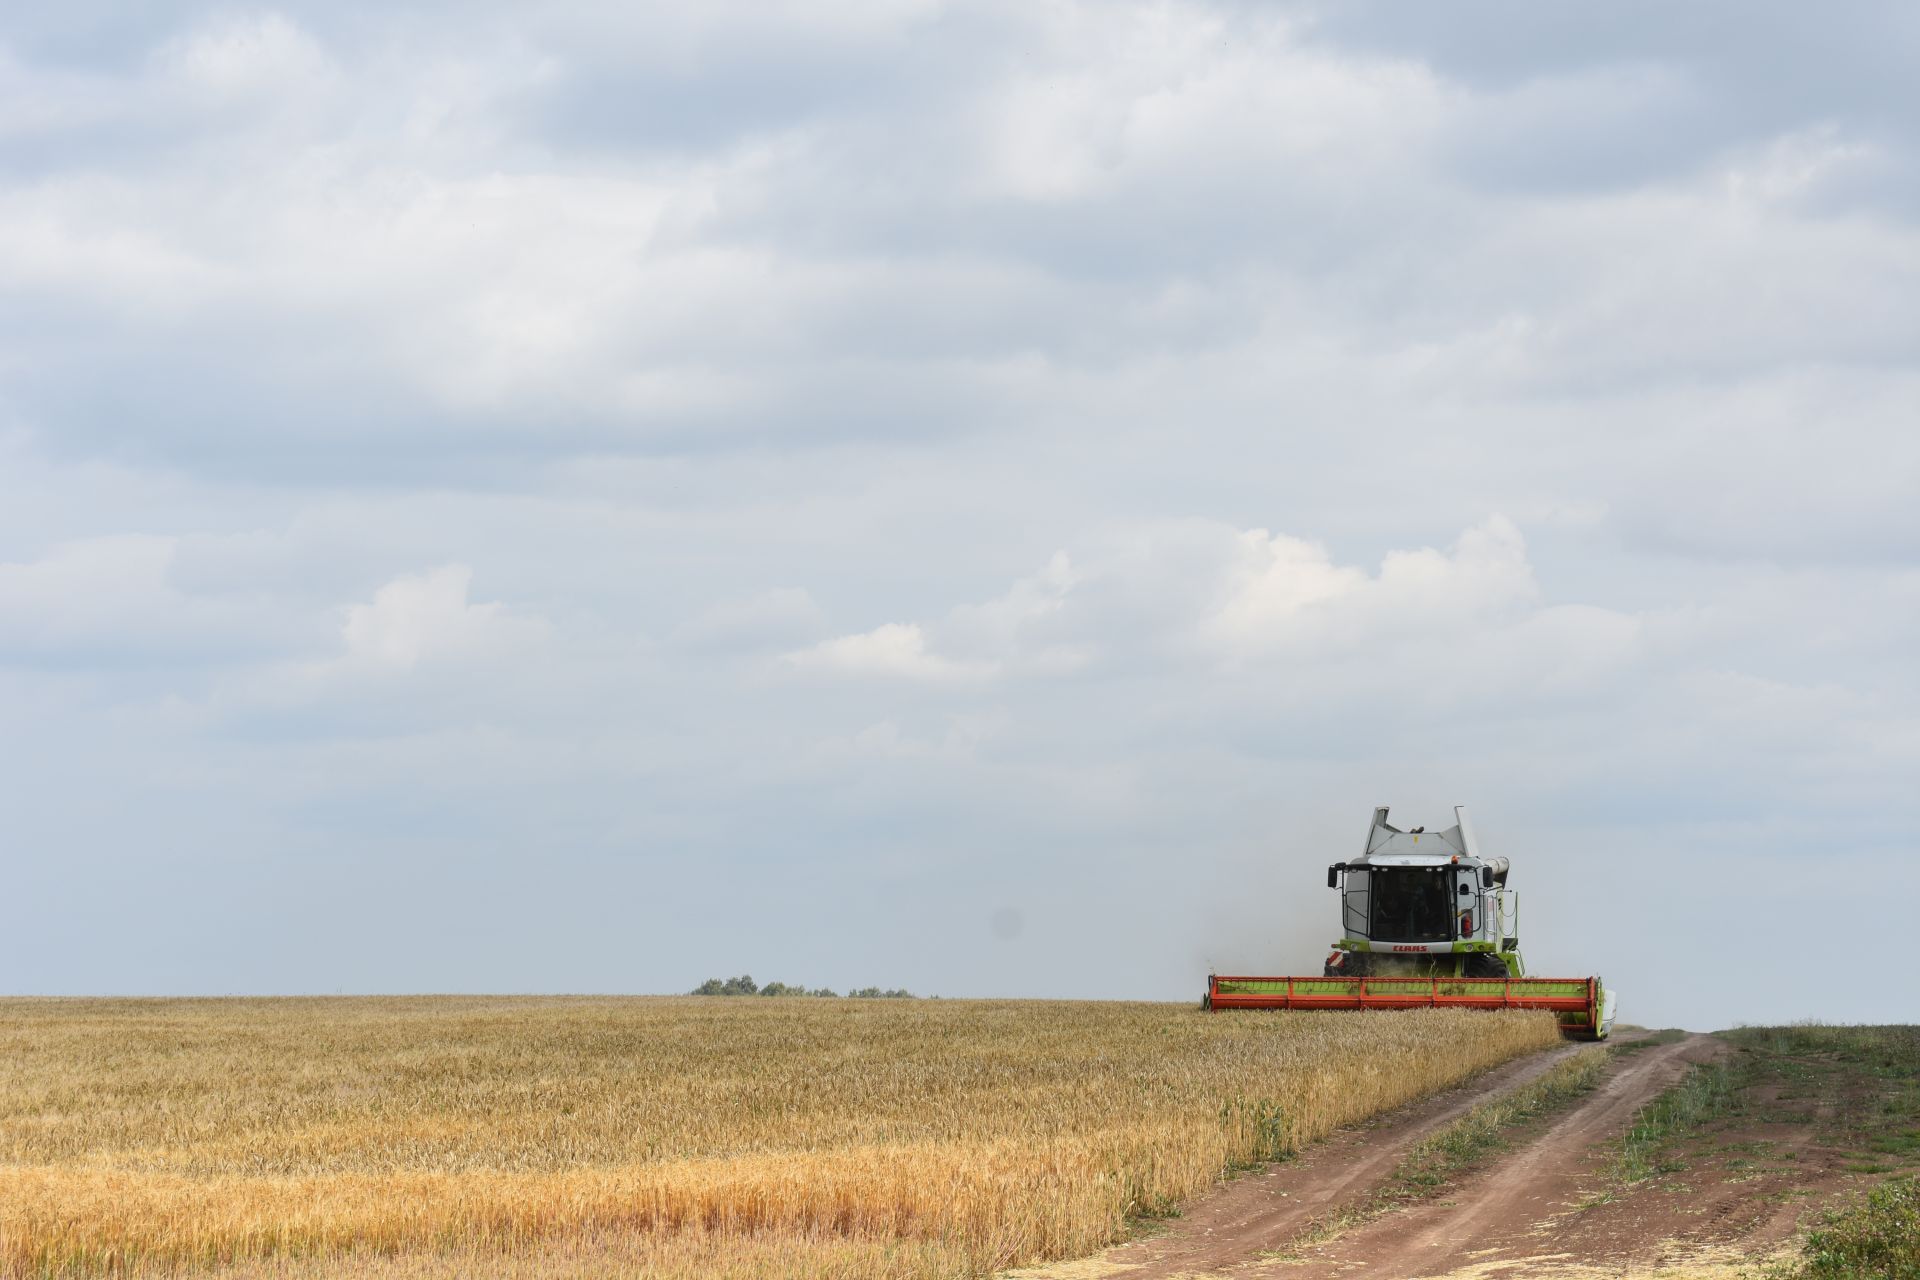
1500, 1221
1508, 1212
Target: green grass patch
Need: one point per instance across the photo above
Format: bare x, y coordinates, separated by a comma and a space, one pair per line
1892, 1052
1878, 1237
1896, 1144
1669, 1035
1706, 1093
1876, 1071
1485, 1131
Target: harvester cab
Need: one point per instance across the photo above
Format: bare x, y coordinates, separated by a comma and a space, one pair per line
1427, 921
1425, 903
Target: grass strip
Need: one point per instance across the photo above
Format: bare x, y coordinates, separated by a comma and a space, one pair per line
1477, 1137
1651, 1040
1703, 1094
1465, 1145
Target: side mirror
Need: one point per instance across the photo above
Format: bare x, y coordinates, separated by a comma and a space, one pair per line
1486, 877
1333, 877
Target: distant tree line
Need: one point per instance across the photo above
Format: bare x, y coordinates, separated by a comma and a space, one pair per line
746, 986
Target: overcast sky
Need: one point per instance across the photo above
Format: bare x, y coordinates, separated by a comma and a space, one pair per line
979, 497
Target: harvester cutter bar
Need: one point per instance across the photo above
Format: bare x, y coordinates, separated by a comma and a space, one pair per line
1576, 1001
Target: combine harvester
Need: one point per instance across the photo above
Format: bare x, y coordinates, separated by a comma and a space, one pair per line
1429, 923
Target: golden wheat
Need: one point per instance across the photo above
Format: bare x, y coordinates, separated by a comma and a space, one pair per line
663, 1137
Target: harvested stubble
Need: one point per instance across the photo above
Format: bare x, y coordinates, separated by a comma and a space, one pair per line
665, 1137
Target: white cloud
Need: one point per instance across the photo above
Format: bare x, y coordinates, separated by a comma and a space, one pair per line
1029, 631
244, 58
419, 658
88, 588
113, 601
1274, 580
1443, 626
892, 650
1028, 628
426, 616
1286, 597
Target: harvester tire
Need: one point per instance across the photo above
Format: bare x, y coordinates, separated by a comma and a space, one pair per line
1484, 964
1355, 966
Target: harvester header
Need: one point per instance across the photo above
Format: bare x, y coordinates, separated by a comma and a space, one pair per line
1428, 922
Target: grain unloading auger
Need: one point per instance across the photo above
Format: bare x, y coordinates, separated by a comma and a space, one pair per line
1428, 923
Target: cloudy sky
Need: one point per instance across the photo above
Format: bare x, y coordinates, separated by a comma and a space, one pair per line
980, 497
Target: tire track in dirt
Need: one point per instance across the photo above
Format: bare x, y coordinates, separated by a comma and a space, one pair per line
1507, 1210
1253, 1215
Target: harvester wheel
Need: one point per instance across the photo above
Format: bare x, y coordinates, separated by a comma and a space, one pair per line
1484, 964
1353, 964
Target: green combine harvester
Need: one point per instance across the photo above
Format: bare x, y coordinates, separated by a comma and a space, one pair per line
1428, 923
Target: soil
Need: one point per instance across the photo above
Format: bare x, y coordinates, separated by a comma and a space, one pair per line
1552, 1205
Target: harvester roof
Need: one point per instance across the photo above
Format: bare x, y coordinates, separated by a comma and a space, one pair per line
1388, 845
1413, 860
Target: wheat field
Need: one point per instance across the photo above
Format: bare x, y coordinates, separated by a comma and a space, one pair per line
660, 1137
